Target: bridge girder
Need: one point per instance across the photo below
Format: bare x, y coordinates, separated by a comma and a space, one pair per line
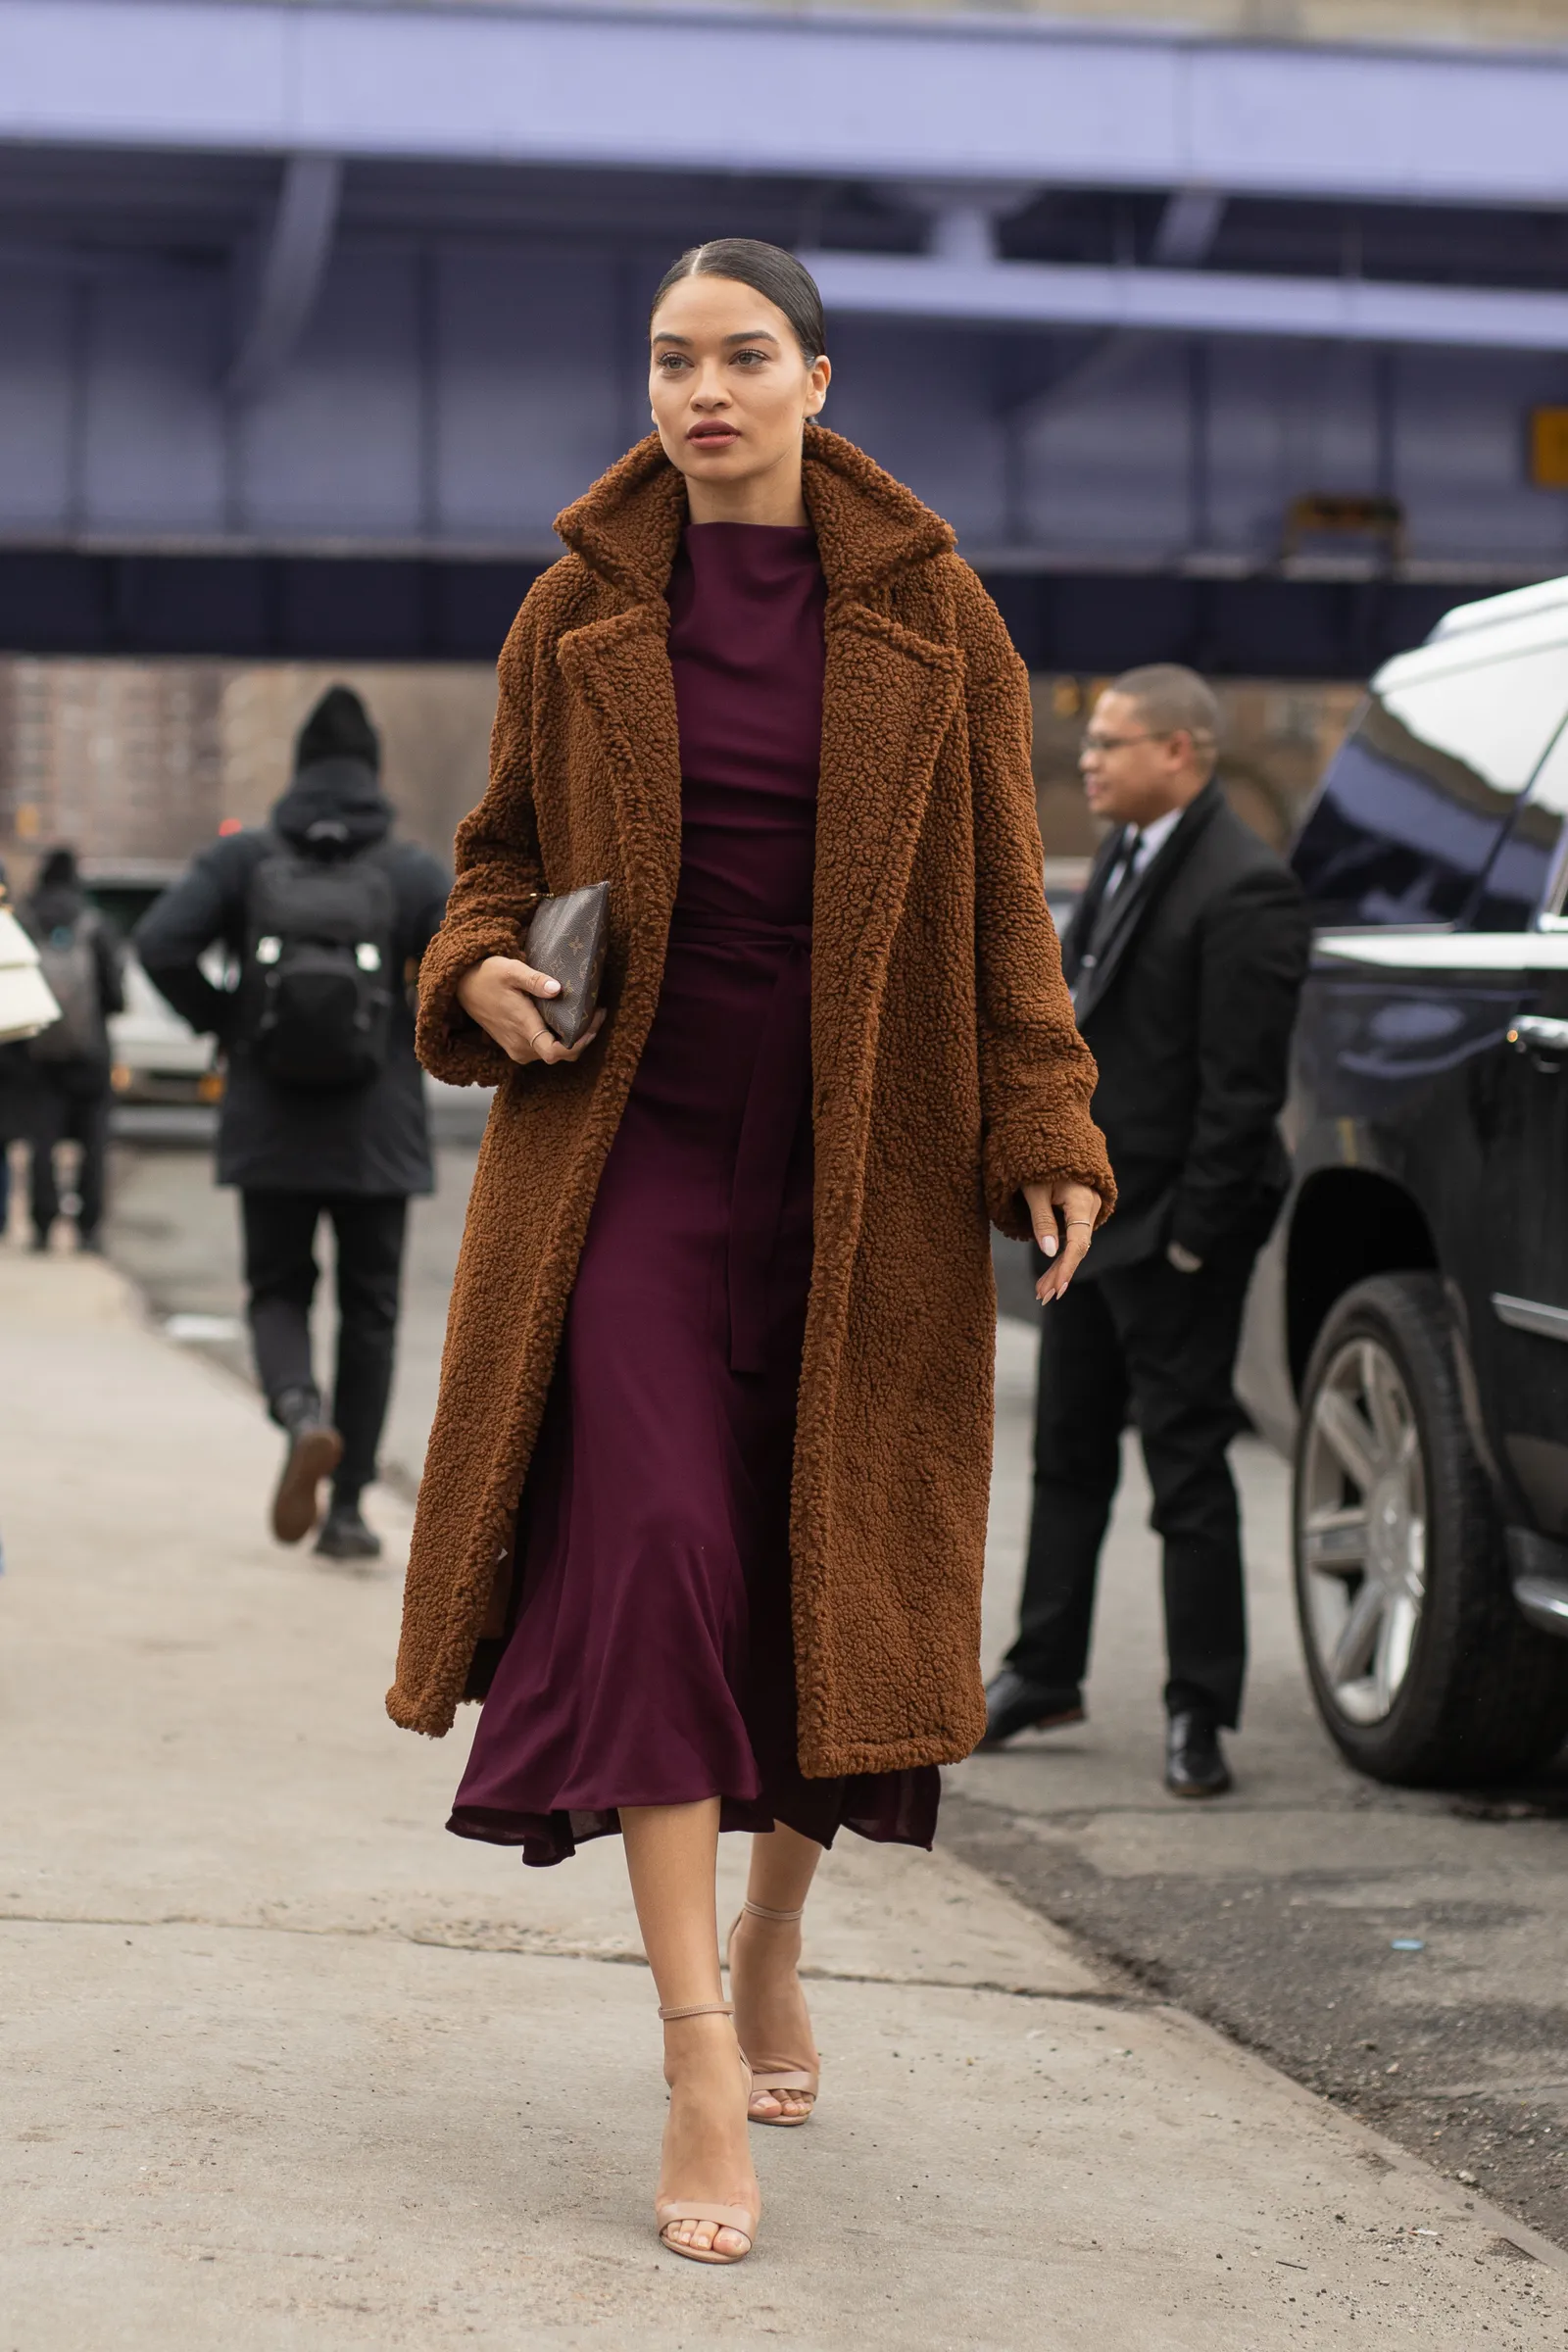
440, 341
751, 90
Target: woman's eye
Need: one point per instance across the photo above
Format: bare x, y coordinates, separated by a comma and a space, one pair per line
750, 359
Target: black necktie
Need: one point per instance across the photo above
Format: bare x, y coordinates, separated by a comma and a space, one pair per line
1111, 898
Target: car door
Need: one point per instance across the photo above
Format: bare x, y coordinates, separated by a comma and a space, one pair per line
1521, 1339
1442, 1011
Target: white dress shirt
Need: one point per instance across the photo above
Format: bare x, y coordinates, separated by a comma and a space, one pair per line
1150, 841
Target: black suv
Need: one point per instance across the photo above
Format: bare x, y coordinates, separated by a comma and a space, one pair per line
1407, 1335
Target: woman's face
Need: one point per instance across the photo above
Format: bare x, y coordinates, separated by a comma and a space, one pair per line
730, 387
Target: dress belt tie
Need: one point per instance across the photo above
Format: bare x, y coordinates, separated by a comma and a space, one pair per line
776, 1100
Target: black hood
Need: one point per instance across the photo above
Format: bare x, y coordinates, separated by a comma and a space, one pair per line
333, 806
55, 905
338, 728
56, 897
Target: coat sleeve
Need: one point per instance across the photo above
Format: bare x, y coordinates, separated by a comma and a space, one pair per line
206, 905
423, 888
499, 875
1036, 1073
1253, 955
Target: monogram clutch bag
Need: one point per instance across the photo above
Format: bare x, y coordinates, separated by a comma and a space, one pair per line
567, 940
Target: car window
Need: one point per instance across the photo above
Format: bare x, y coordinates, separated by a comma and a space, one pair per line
1528, 875
1412, 811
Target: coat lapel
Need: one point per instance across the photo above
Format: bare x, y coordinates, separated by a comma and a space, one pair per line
619, 671
1140, 901
627, 530
874, 781
889, 697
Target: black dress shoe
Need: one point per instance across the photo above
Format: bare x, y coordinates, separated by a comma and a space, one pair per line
1194, 1762
344, 1534
1014, 1704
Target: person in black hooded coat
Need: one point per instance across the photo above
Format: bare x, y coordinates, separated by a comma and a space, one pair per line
356, 1153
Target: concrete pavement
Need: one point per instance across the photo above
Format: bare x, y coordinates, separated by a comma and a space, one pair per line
285, 2066
1277, 1913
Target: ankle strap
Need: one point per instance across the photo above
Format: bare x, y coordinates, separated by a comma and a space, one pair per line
695, 2009
784, 1919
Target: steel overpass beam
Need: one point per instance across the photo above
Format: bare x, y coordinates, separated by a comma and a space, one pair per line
293, 267
798, 93
1188, 226
1206, 302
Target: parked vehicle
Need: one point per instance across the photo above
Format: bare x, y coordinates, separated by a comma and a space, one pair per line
156, 1056
1407, 1335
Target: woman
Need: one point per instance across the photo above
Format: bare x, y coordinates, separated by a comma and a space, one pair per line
703, 1511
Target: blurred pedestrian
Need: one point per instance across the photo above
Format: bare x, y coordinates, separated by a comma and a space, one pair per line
1186, 956
324, 918
763, 697
16, 1093
68, 1065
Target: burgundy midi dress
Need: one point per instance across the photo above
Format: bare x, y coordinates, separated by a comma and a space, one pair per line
651, 1659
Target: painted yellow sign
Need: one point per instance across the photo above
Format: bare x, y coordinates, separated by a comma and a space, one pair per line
1548, 448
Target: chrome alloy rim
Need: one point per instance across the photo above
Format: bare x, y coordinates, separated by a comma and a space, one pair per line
1362, 1522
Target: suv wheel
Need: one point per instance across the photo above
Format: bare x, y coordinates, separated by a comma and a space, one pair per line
1421, 1665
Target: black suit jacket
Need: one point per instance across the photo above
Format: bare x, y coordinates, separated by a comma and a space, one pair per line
1188, 1008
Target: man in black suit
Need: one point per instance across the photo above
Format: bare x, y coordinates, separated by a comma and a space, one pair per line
1186, 958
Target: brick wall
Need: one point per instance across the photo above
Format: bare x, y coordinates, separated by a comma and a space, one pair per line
145, 760
117, 758
129, 759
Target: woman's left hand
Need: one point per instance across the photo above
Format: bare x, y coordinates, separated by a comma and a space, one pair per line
1065, 1248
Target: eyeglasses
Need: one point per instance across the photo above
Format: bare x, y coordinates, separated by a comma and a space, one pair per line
1096, 744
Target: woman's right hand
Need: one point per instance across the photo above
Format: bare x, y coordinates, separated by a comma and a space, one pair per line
501, 994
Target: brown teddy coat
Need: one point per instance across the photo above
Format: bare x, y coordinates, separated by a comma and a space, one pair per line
946, 1071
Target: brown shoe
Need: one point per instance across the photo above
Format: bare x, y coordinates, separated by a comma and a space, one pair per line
314, 1453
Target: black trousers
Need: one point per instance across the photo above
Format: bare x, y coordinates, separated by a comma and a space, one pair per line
67, 1114
1149, 1345
281, 1271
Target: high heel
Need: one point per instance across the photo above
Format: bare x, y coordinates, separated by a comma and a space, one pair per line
803, 2081
738, 2217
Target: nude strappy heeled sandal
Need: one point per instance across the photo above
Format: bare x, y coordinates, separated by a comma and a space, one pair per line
703, 2209
804, 2080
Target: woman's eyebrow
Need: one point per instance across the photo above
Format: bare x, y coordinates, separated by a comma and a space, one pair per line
753, 334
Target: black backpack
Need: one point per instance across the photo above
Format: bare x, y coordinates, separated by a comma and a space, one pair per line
315, 995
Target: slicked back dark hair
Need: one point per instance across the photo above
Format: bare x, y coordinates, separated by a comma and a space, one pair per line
769, 271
